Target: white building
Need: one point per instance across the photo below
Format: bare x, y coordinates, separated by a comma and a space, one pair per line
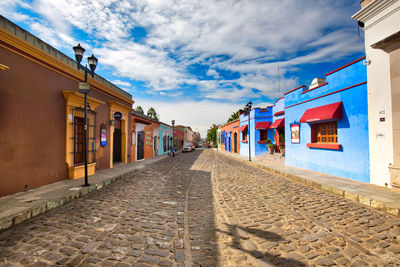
381, 22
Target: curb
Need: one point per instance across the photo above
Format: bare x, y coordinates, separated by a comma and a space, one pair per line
365, 200
14, 219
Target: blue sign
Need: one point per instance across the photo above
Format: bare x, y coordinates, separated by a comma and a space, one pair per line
117, 115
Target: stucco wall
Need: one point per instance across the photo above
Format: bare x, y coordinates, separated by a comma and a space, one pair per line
352, 161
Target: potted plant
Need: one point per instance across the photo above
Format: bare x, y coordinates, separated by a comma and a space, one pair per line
271, 148
282, 149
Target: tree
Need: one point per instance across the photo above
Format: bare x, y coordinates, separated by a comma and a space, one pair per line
212, 134
152, 113
234, 116
139, 109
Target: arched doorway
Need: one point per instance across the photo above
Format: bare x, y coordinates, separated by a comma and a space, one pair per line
235, 142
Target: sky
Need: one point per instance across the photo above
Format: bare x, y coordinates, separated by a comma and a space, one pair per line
198, 61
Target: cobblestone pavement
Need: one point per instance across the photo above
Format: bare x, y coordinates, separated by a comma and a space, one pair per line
203, 209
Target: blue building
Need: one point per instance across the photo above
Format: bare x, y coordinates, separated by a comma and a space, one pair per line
165, 138
327, 124
259, 131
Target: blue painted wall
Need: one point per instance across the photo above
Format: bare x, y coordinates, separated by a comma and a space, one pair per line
256, 115
164, 129
353, 160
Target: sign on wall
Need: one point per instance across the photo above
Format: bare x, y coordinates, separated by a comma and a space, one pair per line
117, 115
295, 133
103, 135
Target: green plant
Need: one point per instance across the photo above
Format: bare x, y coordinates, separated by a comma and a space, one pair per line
271, 145
268, 141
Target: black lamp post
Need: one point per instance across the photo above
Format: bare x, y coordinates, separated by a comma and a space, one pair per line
248, 110
173, 131
84, 88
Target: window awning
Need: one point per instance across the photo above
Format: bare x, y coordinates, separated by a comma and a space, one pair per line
282, 112
328, 112
243, 128
278, 124
262, 125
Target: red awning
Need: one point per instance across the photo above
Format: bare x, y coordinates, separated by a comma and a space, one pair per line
278, 123
327, 112
262, 125
243, 128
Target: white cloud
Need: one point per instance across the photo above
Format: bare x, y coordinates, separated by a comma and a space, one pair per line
255, 37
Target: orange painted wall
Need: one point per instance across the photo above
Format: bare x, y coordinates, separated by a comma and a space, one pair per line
233, 127
148, 138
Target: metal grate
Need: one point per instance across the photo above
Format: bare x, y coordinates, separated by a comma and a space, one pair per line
78, 112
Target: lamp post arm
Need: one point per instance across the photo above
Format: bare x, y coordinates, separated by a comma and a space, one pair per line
85, 68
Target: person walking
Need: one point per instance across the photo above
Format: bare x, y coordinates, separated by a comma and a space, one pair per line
173, 151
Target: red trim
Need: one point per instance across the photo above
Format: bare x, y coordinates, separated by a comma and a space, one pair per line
279, 99
262, 142
314, 88
351, 63
279, 113
325, 146
243, 141
326, 95
295, 89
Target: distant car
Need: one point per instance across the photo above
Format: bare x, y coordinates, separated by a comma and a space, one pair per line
187, 148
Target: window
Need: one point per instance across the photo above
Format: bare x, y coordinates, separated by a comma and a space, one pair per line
324, 132
222, 138
263, 135
244, 136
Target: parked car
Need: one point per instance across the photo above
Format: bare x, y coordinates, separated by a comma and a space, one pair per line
187, 148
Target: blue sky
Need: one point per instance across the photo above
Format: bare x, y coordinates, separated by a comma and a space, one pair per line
198, 61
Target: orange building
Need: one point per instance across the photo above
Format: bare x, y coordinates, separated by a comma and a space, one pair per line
145, 138
229, 139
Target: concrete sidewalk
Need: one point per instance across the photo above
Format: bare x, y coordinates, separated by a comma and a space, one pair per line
376, 197
22, 206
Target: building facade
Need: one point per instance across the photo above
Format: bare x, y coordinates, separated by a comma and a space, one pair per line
230, 137
179, 138
327, 124
165, 138
42, 111
260, 120
144, 137
381, 22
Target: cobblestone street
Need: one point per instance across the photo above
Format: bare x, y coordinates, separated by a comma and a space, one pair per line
204, 209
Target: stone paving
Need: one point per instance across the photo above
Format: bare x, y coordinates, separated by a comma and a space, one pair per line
204, 209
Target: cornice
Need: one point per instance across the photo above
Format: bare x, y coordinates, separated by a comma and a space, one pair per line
23, 48
372, 9
4, 67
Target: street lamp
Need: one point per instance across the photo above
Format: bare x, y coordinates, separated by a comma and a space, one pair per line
173, 131
84, 88
248, 110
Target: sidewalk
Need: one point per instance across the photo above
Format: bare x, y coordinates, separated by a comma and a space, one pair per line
22, 206
376, 197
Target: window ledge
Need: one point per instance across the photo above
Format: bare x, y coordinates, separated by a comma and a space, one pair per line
325, 146
262, 142
243, 141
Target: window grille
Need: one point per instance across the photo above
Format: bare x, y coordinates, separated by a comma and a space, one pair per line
78, 124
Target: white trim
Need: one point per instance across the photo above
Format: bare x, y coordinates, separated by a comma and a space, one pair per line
373, 9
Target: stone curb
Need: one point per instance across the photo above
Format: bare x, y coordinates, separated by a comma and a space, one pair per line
365, 200
14, 219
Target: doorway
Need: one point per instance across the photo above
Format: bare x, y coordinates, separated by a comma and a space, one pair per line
155, 145
117, 145
140, 145
235, 142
